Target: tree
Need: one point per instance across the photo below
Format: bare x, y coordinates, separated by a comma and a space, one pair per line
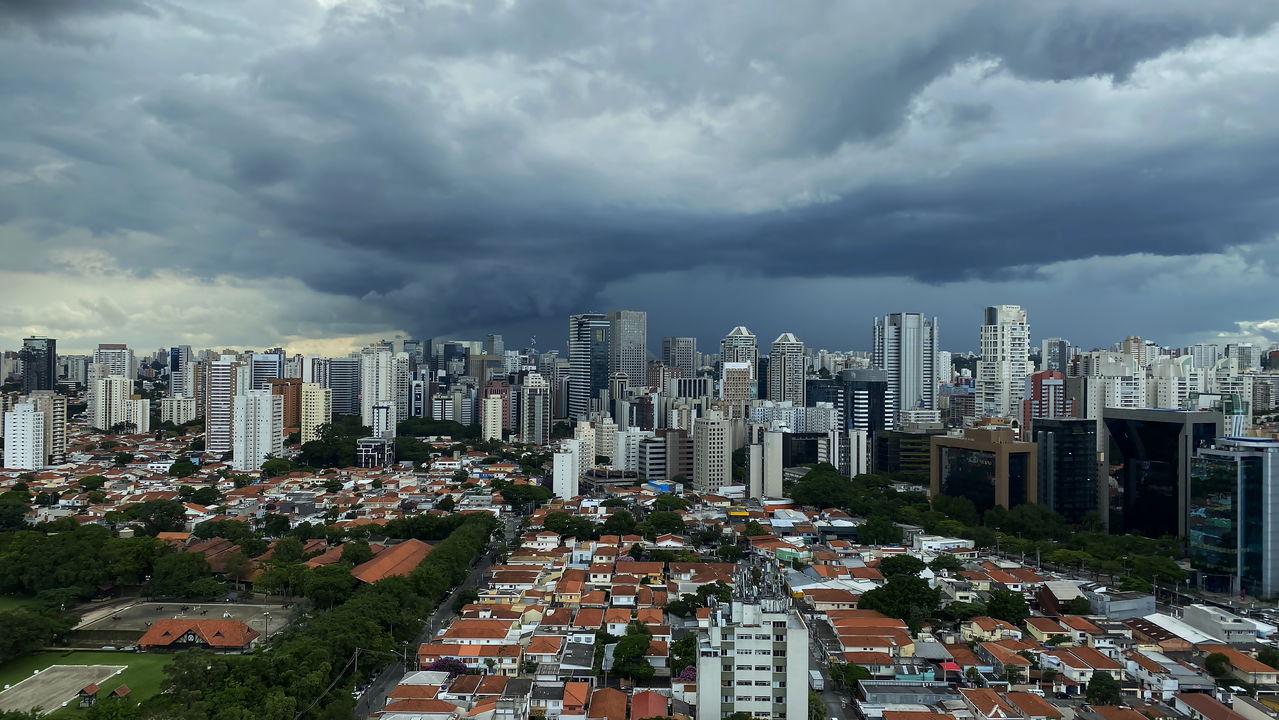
1268, 656
628, 657
669, 502
447, 504
1217, 665
901, 565
904, 596
1007, 605
621, 522
960, 611
754, 529
1103, 690
329, 585
183, 467
660, 522
123, 458
946, 563
238, 566
879, 530
158, 516
729, 553
275, 525
174, 573
275, 467
1078, 606
92, 482
356, 552
849, 673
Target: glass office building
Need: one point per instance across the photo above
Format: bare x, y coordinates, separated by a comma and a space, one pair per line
1233, 523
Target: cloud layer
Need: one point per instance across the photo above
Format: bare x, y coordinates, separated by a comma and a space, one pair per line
353, 168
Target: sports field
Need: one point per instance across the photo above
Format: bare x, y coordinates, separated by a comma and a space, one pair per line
142, 672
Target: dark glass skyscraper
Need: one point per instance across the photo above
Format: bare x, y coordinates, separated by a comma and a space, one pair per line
1233, 524
1068, 466
588, 345
39, 364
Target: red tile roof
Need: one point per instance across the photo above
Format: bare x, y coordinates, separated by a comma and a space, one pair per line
219, 633
396, 560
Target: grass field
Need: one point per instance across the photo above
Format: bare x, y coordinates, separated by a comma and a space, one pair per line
13, 602
143, 676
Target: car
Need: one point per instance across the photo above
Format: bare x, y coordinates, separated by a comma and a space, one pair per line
1062, 696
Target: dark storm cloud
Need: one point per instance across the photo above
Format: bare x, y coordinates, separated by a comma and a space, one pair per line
479, 166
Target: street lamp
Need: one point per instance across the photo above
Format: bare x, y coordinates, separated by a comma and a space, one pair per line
267, 615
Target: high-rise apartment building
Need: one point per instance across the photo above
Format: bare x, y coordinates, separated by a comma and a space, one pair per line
377, 381
741, 346
118, 358
870, 403
1205, 355
39, 357
342, 376
786, 370
1047, 399
491, 415
905, 345
1005, 361
535, 410
754, 657
735, 385
680, 352
628, 344
177, 410
258, 429
290, 389
588, 356
24, 438
179, 356
317, 410
110, 405
54, 408
712, 452
221, 386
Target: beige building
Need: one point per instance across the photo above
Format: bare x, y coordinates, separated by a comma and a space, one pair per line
317, 410
987, 465
712, 452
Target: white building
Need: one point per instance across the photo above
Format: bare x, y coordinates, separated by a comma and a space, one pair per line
382, 419
765, 462
138, 414
110, 401
118, 359
786, 369
905, 345
258, 429
54, 408
535, 410
566, 469
377, 382
24, 438
736, 386
177, 409
753, 659
626, 448
823, 417
491, 418
1005, 361
316, 411
712, 452
222, 382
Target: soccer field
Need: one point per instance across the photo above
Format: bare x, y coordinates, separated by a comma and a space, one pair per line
55, 686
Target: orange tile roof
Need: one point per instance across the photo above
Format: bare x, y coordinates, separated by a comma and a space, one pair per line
1032, 705
607, 704
396, 560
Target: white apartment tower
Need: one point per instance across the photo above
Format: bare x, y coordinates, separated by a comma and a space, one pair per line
628, 344
222, 383
118, 358
1005, 361
740, 346
24, 438
786, 369
735, 387
377, 381
491, 418
111, 396
906, 347
54, 408
258, 429
316, 411
712, 452
753, 659
177, 410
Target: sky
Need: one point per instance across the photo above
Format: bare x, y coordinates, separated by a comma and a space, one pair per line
322, 173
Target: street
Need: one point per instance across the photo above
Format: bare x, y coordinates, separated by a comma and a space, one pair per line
374, 698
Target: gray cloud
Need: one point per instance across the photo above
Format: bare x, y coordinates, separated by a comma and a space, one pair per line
473, 168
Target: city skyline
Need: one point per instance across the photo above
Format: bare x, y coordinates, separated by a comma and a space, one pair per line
273, 163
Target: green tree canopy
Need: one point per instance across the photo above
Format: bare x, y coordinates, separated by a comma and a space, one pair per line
901, 565
1007, 605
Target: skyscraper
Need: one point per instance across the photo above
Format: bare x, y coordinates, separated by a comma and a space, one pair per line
535, 410
712, 452
740, 345
1005, 361
179, 356
905, 345
628, 344
39, 364
680, 352
588, 356
111, 395
258, 429
786, 370
1234, 487
54, 408
222, 382
377, 381
266, 367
